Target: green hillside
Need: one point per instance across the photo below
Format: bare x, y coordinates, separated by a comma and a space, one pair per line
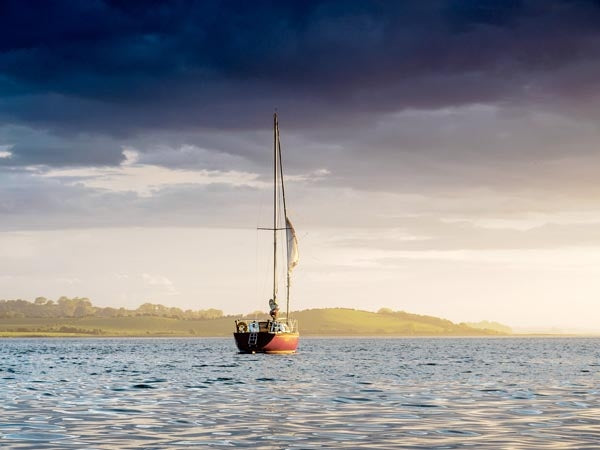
341, 321
313, 322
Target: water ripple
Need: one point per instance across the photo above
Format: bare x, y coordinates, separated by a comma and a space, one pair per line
335, 393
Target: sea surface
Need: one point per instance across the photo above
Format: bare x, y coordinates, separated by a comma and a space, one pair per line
334, 393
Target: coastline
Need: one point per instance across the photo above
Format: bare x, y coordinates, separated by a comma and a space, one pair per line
324, 323
36, 335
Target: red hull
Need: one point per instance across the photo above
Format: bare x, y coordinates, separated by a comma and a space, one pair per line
267, 342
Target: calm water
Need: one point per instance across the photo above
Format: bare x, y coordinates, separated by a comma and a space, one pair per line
428, 393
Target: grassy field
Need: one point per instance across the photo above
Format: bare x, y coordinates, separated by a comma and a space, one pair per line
323, 322
117, 326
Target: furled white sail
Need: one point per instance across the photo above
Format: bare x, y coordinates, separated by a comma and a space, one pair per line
292, 245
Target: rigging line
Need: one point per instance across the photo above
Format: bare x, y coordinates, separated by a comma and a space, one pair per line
281, 172
275, 139
287, 271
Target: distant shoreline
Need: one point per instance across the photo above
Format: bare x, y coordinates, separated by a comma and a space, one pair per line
78, 317
26, 335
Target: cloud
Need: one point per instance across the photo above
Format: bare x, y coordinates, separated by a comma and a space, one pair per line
395, 97
445, 108
31, 145
145, 179
423, 235
187, 65
161, 283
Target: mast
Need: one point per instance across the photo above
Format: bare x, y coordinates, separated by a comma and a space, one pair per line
275, 139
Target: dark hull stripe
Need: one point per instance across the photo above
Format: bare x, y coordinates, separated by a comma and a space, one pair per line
267, 342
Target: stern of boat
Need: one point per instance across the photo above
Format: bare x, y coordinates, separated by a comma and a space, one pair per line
278, 337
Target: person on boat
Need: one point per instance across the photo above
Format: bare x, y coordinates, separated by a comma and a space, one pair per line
274, 309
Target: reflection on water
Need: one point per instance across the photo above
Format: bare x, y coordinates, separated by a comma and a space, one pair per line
376, 393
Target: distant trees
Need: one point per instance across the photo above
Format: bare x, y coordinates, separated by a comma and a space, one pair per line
67, 306
151, 309
82, 307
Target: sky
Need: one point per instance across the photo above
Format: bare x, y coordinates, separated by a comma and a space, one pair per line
441, 157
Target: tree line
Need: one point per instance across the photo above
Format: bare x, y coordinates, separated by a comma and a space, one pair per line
82, 307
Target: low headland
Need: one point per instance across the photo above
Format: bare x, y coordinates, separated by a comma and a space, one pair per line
79, 317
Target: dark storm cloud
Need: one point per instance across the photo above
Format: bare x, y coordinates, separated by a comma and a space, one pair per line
124, 68
30, 146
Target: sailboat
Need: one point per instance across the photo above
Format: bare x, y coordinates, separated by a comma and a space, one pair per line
279, 334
